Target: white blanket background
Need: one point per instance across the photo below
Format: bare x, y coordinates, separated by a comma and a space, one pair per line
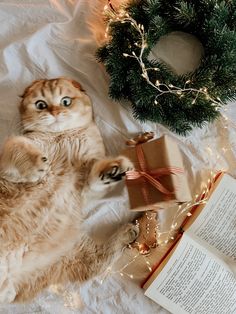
50, 38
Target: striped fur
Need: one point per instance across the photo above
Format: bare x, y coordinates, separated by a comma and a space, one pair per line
47, 176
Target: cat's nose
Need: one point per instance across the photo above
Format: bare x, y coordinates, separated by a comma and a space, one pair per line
55, 110
55, 113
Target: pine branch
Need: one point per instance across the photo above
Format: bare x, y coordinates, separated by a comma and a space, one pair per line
213, 22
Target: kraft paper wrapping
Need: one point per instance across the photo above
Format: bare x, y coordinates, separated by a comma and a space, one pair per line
159, 153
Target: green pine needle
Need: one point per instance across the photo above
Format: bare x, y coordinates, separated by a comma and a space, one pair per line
213, 22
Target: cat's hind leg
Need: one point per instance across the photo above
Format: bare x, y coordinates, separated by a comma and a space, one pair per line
87, 260
93, 259
22, 161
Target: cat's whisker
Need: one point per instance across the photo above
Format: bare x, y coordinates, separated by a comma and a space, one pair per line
47, 177
12, 127
17, 127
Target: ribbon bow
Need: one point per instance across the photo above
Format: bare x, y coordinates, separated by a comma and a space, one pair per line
151, 176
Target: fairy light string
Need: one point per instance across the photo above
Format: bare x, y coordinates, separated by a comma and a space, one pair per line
185, 209
123, 17
170, 235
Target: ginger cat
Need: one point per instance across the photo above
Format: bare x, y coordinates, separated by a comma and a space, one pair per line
47, 176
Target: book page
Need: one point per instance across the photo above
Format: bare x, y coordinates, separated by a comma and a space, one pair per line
216, 225
194, 281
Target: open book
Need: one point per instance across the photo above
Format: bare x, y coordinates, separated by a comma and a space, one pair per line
199, 273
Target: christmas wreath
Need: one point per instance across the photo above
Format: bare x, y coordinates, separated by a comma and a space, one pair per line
156, 92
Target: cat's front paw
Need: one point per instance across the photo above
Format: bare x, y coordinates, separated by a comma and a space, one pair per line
37, 168
128, 233
107, 172
22, 161
115, 170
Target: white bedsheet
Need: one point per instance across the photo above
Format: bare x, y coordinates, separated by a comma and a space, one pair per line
50, 38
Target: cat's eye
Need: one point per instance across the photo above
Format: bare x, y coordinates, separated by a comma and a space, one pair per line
41, 104
66, 101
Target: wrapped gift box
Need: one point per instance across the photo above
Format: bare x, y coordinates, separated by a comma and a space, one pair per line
161, 156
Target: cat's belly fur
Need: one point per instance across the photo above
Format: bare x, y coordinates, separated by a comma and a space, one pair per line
45, 220
48, 233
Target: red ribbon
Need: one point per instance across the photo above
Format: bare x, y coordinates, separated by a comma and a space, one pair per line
151, 176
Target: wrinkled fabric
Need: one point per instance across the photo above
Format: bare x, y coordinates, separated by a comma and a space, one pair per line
50, 38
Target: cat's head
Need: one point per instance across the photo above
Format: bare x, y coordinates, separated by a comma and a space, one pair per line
55, 105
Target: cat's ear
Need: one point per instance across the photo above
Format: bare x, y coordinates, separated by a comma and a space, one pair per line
29, 88
77, 85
